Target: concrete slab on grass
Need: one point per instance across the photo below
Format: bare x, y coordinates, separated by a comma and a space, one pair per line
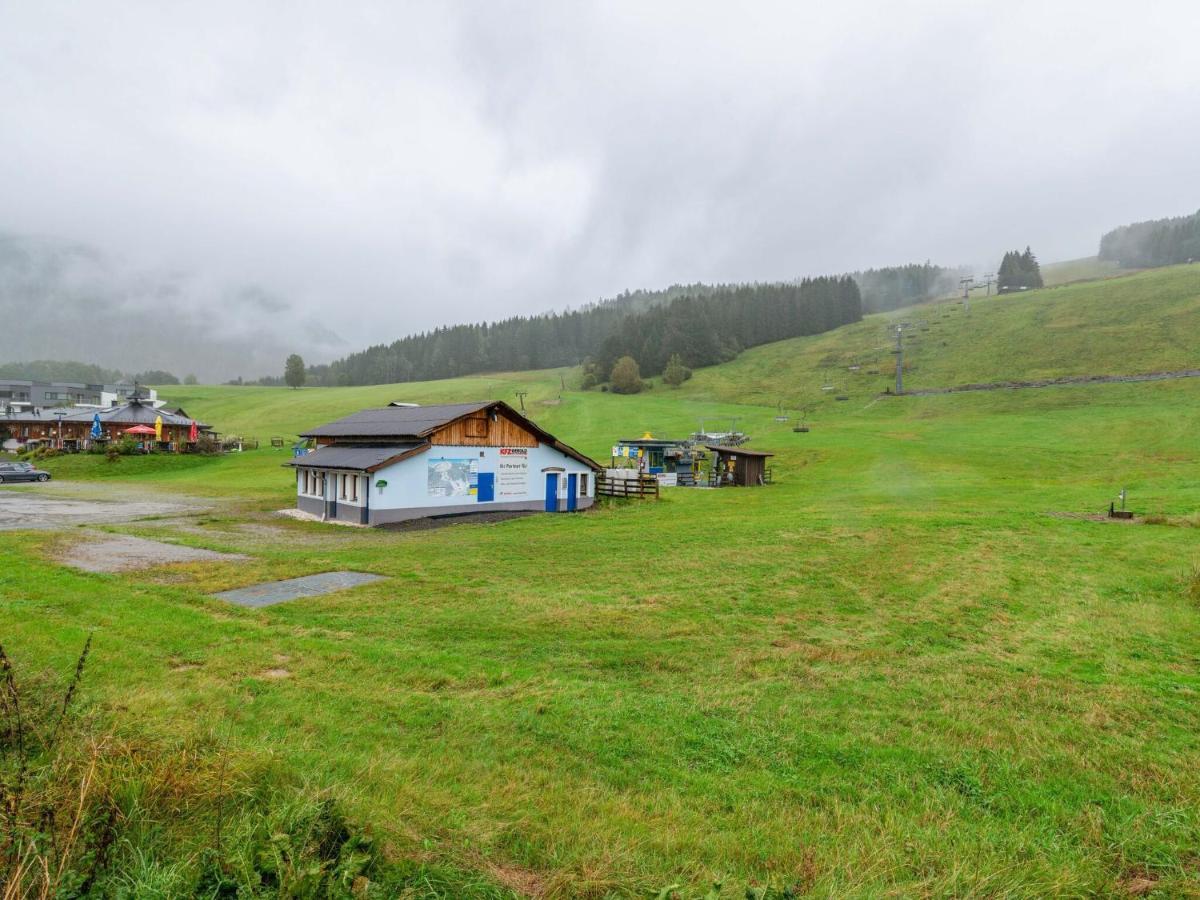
295, 588
123, 552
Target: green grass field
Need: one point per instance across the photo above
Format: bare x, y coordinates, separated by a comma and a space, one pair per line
1087, 268
917, 665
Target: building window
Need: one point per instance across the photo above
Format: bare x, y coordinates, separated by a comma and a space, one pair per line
477, 427
583, 485
314, 484
353, 487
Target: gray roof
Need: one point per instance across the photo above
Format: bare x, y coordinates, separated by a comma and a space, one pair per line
396, 421
132, 414
403, 424
354, 457
128, 414
44, 414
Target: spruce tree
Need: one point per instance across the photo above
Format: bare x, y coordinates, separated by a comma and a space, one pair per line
676, 373
1030, 269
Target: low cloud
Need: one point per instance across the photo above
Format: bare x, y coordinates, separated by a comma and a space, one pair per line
381, 170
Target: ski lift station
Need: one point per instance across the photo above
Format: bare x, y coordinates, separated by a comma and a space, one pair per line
679, 461
703, 460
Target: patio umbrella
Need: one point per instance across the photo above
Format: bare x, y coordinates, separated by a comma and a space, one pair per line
158, 428
140, 429
193, 432
97, 433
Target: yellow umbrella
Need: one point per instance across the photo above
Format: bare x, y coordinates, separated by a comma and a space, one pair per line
158, 428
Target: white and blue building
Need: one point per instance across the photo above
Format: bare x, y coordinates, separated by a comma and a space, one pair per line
405, 462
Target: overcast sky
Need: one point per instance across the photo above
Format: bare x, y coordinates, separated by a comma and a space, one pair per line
390, 169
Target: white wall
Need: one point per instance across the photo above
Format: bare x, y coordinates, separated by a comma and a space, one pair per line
333, 486
408, 480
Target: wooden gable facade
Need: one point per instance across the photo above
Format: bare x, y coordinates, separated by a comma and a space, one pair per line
485, 428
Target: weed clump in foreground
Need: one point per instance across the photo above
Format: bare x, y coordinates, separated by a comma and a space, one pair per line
764, 892
88, 813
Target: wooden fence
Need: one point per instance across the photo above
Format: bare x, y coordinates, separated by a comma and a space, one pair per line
642, 486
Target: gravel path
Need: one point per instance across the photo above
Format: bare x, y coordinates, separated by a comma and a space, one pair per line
1054, 382
65, 505
123, 552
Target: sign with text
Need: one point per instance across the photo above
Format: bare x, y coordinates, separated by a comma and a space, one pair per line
512, 474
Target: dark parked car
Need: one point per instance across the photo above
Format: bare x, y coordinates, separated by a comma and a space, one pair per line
20, 471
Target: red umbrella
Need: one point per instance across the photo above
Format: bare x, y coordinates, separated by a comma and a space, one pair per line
193, 432
140, 429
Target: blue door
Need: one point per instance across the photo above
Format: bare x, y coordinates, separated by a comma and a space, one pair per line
572, 489
551, 492
487, 487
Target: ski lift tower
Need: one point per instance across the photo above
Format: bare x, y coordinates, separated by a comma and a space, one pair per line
897, 330
967, 284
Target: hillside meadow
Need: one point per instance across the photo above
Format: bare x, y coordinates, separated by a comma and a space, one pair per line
920, 664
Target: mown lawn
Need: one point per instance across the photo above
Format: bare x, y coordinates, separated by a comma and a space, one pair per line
1087, 268
910, 666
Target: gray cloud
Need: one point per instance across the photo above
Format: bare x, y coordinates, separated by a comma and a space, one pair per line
385, 170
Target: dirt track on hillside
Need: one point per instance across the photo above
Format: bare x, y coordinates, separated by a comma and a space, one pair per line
1053, 382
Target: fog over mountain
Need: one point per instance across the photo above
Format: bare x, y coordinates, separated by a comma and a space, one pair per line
212, 186
60, 300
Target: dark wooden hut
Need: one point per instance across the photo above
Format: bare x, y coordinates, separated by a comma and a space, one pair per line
739, 466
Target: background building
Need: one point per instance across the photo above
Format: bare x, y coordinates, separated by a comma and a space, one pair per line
26, 395
76, 428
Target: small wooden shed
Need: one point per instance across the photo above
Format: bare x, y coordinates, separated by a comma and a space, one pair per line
738, 466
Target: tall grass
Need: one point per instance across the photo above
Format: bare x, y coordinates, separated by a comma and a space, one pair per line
88, 812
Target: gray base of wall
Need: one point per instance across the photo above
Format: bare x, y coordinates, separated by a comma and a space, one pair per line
312, 505
316, 506
388, 516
